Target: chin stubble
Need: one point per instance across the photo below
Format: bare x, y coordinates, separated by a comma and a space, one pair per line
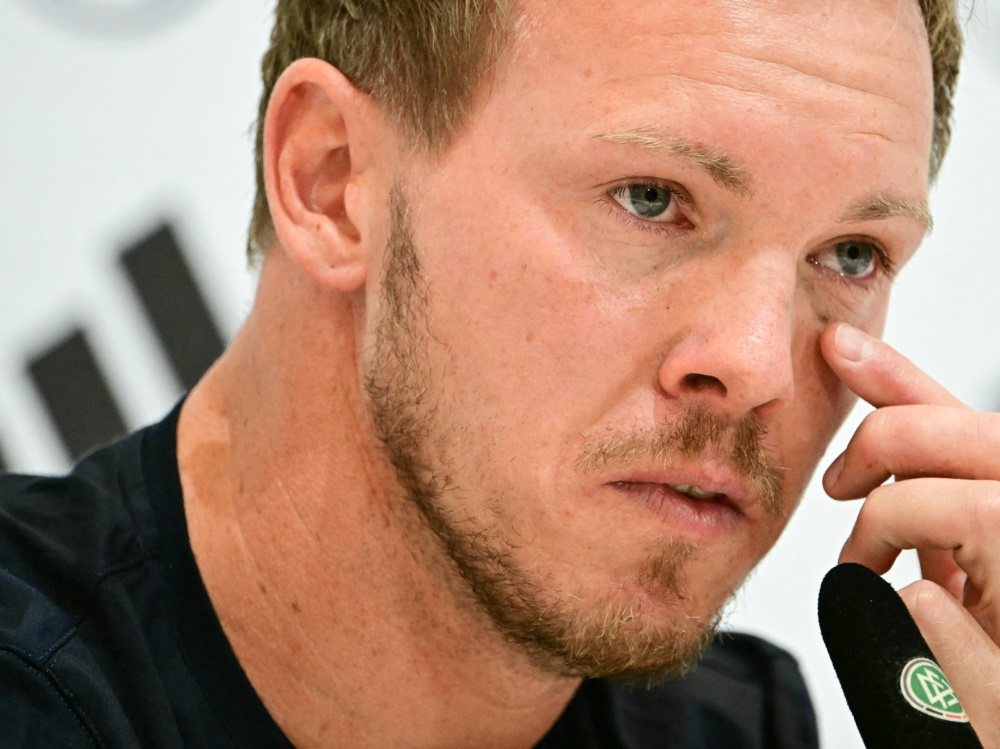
640, 633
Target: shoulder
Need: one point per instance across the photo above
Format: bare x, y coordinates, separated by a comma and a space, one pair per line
61, 535
36, 711
61, 538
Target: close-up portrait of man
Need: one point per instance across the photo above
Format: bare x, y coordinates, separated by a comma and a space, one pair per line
558, 307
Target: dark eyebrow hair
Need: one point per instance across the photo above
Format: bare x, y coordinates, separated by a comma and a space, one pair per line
719, 166
882, 206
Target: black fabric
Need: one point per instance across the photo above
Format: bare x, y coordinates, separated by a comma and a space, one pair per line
108, 637
745, 693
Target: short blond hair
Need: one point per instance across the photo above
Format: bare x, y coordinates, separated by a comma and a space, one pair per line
422, 60
945, 36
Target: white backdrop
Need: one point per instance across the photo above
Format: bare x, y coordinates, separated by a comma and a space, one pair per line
117, 115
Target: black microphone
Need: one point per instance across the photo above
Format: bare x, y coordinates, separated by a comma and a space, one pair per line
898, 694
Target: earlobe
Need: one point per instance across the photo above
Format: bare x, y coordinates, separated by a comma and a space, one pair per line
314, 171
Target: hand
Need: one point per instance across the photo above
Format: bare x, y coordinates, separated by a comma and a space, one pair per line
945, 503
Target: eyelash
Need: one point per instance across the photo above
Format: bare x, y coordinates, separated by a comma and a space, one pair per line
885, 273
654, 227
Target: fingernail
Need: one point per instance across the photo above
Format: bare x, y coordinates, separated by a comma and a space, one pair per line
833, 472
852, 344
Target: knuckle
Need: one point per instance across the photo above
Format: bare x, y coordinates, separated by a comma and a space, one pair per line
925, 599
984, 500
870, 512
884, 426
876, 498
986, 435
868, 438
907, 377
871, 426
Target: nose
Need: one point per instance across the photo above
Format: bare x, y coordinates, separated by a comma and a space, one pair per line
736, 354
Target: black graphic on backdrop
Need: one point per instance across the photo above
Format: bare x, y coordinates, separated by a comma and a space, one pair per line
174, 306
77, 395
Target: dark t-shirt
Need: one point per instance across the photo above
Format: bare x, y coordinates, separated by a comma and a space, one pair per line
108, 637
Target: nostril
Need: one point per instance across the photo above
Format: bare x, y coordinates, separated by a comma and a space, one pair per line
701, 382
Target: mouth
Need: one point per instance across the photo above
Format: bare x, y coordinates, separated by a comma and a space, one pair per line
701, 504
696, 492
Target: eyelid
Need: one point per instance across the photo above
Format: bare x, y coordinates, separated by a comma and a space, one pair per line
663, 228
676, 191
885, 271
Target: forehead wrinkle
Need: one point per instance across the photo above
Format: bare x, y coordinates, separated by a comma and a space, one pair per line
720, 167
881, 206
779, 66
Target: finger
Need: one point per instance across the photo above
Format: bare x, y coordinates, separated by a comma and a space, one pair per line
877, 372
940, 517
931, 513
913, 441
969, 658
940, 566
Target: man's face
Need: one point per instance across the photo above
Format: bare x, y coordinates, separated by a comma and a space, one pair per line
611, 286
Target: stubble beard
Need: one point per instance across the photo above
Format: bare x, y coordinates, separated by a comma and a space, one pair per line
625, 635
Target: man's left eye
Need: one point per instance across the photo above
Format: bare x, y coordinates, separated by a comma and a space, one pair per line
851, 258
646, 200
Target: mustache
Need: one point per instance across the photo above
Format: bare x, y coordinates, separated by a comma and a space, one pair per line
697, 433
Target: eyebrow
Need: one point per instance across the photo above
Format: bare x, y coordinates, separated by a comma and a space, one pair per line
719, 167
882, 206
725, 172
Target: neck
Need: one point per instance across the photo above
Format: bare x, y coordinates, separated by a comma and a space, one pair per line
350, 622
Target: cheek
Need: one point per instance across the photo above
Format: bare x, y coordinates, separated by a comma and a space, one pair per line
830, 400
822, 401
820, 405
524, 332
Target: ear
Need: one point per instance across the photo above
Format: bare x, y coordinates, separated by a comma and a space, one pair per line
315, 171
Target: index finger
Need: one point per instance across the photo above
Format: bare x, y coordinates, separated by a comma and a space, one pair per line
878, 373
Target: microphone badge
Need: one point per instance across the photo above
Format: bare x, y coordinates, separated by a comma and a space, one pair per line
926, 688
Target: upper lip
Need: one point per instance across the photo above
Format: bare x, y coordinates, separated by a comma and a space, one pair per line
706, 477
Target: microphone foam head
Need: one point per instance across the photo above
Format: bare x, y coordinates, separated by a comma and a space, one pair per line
894, 688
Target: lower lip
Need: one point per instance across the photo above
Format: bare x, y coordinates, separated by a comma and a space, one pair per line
700, 520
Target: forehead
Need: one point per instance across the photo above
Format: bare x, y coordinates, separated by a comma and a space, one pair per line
854, 70
864, 45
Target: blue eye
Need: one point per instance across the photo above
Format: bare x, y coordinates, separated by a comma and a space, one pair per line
853, 259
649, 201
646, 200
